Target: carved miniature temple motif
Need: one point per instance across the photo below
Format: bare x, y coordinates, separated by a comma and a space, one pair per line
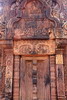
33, 50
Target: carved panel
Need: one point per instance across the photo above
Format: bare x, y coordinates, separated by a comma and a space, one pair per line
31, 29
59, 59
65, 30
32, 21
8, 74
33, 47
60, 76
2, 82
2, 30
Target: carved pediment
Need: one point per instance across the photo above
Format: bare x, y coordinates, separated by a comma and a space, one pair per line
32, 21
32, 29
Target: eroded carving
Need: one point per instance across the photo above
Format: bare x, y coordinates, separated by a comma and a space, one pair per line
8, 74
2, 30
65, 29
34, 47
32, 21
42, 48
2, 84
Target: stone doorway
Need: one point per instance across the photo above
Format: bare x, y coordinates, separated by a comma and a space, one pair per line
35, 78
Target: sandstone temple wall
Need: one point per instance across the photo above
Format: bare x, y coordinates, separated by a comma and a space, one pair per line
33, 30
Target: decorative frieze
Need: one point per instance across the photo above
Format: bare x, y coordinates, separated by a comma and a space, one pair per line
34, 47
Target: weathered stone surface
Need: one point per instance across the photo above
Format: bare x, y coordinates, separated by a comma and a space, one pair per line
33, 28
35, 47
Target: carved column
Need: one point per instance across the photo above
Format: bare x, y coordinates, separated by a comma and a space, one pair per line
16, 86
60, 75
9, 73
53, 77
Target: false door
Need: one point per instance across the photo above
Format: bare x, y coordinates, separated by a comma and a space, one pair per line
35, 78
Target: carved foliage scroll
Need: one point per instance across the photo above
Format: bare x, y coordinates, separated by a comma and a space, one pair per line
2, 81
9, 74
2, 30
2, 75
32, 21
34, 47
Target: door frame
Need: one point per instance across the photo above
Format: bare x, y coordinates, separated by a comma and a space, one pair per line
29, 58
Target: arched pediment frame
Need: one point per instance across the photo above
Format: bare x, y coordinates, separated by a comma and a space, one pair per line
31, 20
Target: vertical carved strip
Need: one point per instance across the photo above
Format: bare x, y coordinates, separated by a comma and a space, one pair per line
53, 77
65, 70
60, 75
8, 74
16, 78
2, 75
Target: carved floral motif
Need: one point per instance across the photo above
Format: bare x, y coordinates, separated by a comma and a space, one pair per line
65, 28
32, 21
8, 74
34, 47
2, 30
2, 84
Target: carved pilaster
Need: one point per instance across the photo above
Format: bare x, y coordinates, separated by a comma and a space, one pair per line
53, 78
16, 93
2, 74
8, 74
65, 69
60, 75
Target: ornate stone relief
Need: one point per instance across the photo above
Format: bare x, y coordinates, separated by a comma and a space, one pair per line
65, 29
2, 84
32, 21
2, 30
35, 47
8, 74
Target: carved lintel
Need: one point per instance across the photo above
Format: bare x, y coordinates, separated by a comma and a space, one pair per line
37, 47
